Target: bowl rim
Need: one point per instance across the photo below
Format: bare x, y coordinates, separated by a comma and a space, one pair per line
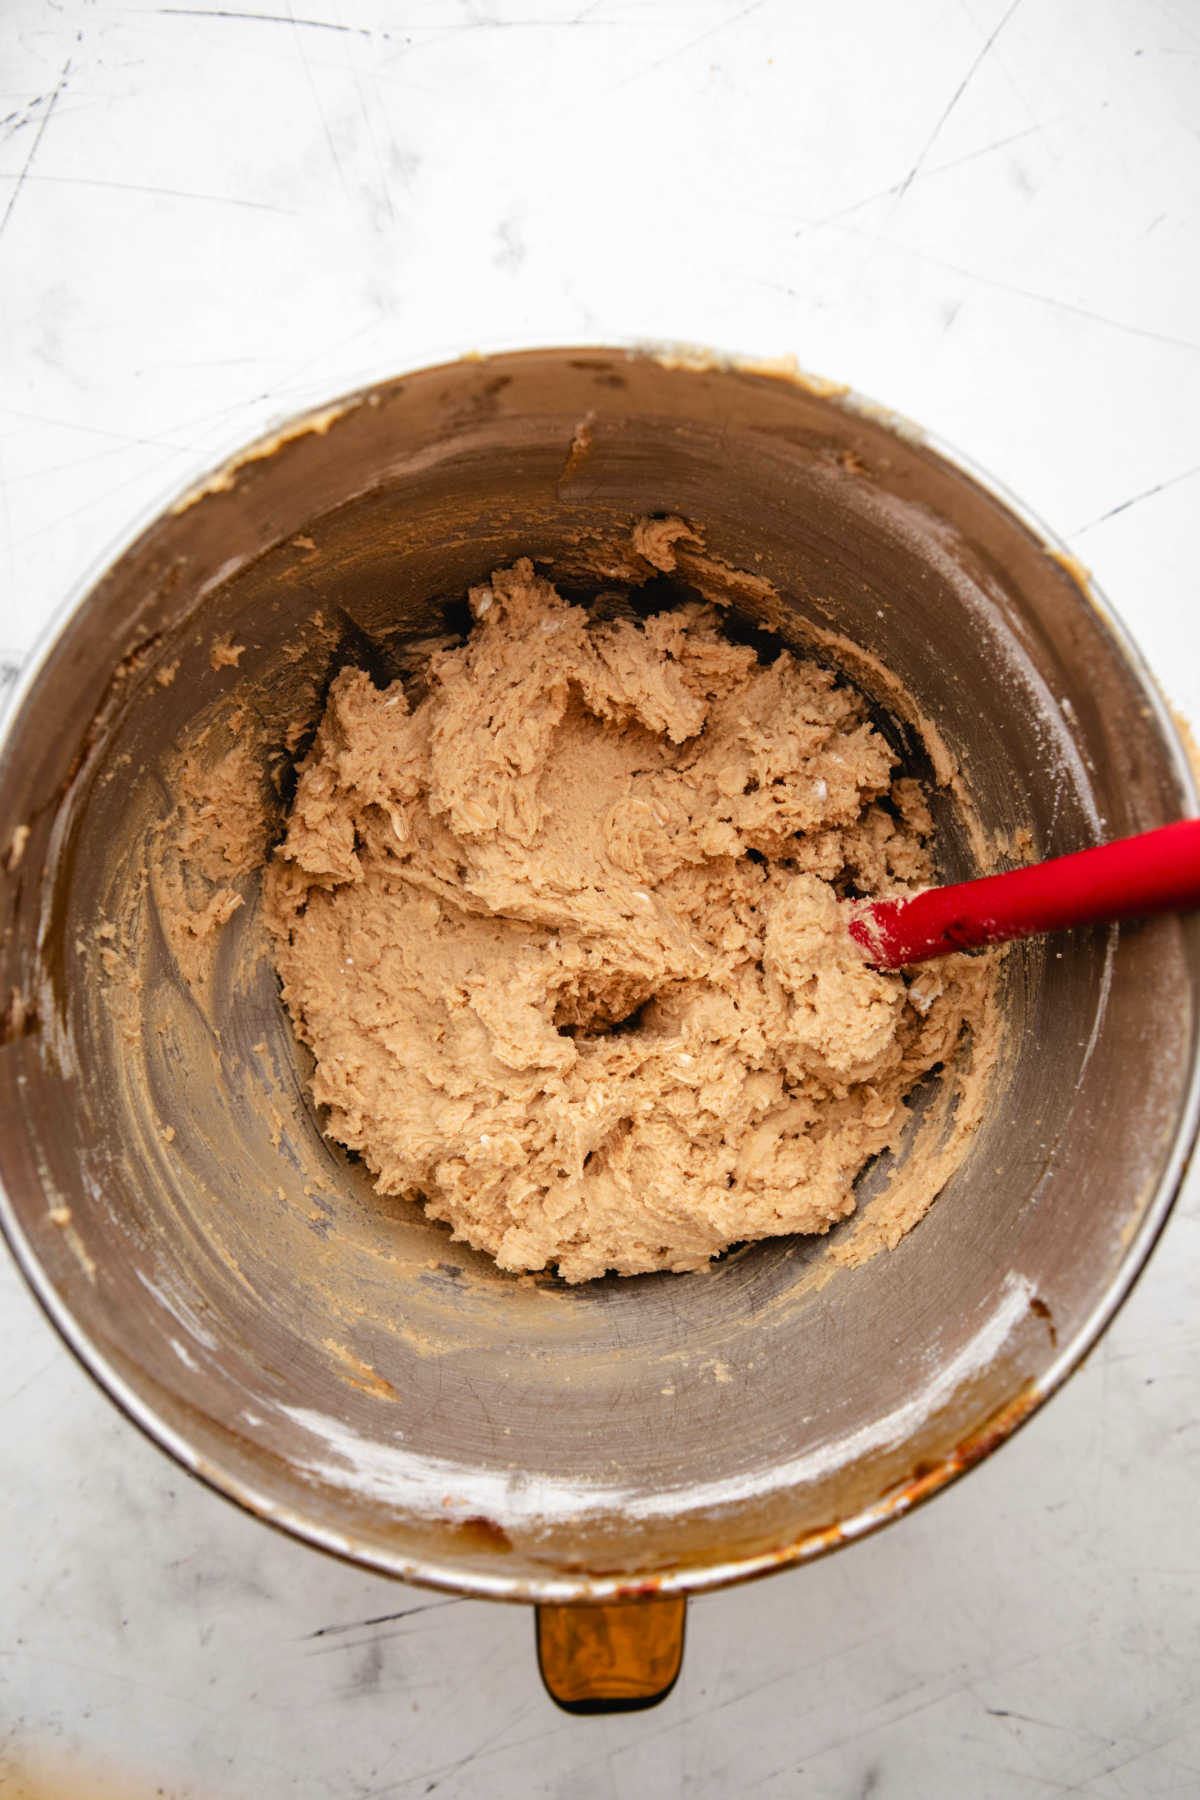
317, 410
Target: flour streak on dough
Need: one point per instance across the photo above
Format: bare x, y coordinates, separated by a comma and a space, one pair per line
565, 936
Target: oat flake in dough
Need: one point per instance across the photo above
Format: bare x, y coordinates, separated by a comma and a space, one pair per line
565, 940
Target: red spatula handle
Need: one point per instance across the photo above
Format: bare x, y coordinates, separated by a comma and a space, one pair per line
1159, 871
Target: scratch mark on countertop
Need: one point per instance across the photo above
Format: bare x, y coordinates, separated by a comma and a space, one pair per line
29, 1381
388, 1618
882, 1717
957, 95
1136, 499
207, 12
381, 166
119, 440
1086, 1786
20, 117
320, 112
275, 392
887, 193
138, 187
1004, 1712
445, 27
76, 512
1023, 293
108, 1671
436, 1776
791, 1768
23, 177
703, 1713
683, 49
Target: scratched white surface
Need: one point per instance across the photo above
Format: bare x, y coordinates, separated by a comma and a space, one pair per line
982, 213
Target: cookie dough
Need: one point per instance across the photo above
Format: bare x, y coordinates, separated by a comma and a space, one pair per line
563, 928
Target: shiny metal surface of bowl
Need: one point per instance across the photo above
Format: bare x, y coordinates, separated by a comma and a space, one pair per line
333, 1361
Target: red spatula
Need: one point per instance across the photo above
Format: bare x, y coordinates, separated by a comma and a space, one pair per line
1158, 871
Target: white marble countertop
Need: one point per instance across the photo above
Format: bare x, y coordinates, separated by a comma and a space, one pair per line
982, 214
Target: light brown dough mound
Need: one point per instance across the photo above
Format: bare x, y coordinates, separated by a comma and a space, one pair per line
565, 938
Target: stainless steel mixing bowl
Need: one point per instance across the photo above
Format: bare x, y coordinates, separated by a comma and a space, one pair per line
330, 1359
